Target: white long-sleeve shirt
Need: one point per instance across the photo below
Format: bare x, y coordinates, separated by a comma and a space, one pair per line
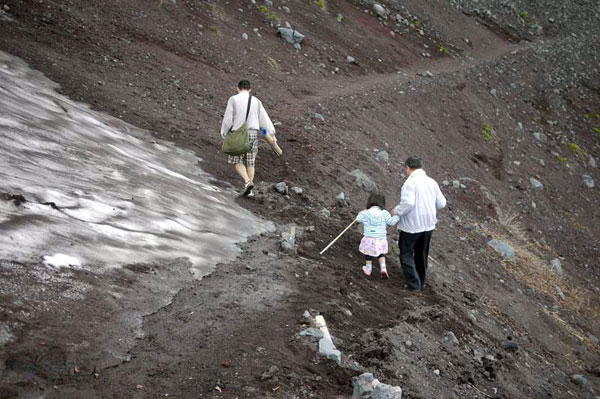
420, 198
235, 115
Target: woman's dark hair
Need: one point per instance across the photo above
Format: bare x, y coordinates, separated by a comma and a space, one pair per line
244, 85
376, 199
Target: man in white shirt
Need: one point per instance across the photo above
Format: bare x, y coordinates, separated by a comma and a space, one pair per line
256, 118
420, 198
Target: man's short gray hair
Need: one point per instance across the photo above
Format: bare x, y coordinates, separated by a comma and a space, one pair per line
414, 163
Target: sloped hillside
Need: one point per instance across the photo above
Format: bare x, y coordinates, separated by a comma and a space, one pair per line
500, 99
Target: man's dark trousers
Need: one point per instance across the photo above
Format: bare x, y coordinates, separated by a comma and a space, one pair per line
414, 250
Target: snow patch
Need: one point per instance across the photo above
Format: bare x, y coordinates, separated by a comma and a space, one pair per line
61, 260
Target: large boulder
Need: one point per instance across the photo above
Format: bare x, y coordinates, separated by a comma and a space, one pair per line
363, 180
503, 249
292, 36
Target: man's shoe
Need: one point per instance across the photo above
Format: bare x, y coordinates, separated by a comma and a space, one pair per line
248, 186
250, 194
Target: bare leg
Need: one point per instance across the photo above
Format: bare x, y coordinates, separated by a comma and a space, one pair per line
250, 170
241, 170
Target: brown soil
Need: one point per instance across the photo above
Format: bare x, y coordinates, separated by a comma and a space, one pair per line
170, 66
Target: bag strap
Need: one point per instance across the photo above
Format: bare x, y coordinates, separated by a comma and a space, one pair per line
248, 109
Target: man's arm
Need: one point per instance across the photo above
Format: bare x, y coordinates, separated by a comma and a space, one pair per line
407, 200
440, 200
264, 121
227, 118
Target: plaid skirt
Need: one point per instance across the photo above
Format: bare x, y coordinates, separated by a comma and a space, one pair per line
249, 158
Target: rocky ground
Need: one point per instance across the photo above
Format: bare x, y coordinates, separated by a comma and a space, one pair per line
502, 102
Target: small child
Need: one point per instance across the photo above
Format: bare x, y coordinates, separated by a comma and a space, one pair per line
374, 243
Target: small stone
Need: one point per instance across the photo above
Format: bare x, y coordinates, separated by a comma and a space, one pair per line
383, 156
557, 266
325, 213
581, 381
341, 199
350, 59
449, 337
306, 315
385, 391
456, 184
379, 10
446, 183
281, 187
593, 162
559, 292
318, 116
472, 316
408, 344
541, 137
245, 36
347, 312
503, 248
588, 181
267, 375
291, 36
362, 385
536, 184
511, 346
436, 372
493, 92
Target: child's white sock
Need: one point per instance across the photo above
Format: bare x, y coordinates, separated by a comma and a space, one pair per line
368, 267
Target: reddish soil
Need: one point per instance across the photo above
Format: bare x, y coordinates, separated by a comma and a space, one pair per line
170, 66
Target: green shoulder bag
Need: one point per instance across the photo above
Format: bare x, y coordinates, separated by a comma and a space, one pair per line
236, 142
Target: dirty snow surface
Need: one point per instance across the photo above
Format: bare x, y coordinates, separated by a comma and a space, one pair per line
99, 192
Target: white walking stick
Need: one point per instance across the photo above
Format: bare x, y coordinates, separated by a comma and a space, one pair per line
336, 238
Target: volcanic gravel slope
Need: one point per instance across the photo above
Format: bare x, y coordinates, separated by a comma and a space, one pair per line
483, 95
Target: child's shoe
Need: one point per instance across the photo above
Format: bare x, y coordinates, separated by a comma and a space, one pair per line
366, 270
384, 273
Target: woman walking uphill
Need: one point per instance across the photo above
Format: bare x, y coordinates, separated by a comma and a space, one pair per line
244, 108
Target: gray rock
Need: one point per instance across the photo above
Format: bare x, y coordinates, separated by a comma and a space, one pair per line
408, 344
449, 337
291, 36
557, 266
493, 92
245, 36
455, 183
511, 346
270, 227
363, 180
312, 332
350, 59
362, 385
472, 315
281, 187
286, 9
327, 349
383, 156
446, 183
503, 249
541, 137
559, 292
588, 181
581, 381
536, 184
593, 162
297, 190
385, 391
401, 20
325, 213
341, 199
318, 116
379, 10
267, 375
307, 315
5, 334
287, 241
